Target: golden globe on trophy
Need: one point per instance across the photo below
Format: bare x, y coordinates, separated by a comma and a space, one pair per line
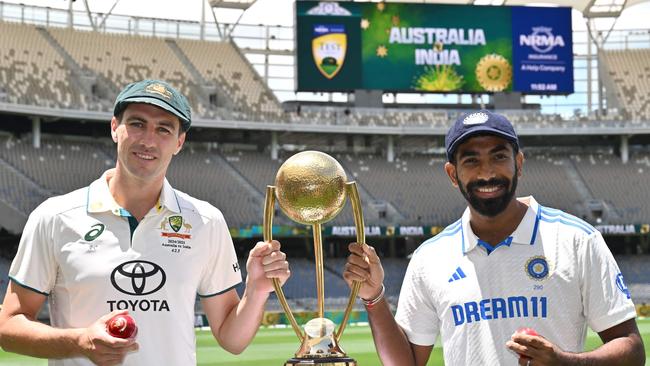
311, 188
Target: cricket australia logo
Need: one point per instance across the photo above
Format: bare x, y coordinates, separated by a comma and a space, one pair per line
176, 223
159, 89
329, 46
176, 240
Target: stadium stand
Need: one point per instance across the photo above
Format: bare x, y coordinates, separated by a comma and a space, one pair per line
18, 191
110, 61
257, 167
59, 166
241, 175
413, 197
123, 59
619, 185
628, 74
545, 178
32, 73
394, 270
207, 177
222, 64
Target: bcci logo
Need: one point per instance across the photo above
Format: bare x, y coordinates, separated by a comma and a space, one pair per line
328, 48
537, 268
476, 118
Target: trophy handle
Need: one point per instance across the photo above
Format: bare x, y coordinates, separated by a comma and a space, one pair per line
353, 192
269, 205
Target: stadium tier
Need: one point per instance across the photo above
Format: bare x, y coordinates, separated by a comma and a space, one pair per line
205, 175
59, 166
56, 67
32, 72
223, 66
626, 184
628, 75
413, 189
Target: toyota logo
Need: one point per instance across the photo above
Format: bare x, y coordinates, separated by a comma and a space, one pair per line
146, 278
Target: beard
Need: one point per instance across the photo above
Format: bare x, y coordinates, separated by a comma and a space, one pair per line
492, 206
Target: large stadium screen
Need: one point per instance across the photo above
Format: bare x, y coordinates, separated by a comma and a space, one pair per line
406, 47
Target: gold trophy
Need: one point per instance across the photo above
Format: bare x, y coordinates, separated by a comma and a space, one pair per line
311, 188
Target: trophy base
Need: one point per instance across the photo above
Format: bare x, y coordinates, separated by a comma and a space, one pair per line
325, 361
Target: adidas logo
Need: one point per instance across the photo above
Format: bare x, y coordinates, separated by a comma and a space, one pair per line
458, 274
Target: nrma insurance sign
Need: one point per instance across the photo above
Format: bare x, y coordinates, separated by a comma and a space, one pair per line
542, 52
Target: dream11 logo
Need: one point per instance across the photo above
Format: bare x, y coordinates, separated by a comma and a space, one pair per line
541, 40
138, 278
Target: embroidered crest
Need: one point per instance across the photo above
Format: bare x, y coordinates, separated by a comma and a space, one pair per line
159, 89
175, 222
537, 268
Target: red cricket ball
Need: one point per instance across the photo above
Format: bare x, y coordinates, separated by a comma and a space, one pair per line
527, 331
121, 326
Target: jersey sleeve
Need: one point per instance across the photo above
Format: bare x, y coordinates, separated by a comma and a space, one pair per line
222, 271
606, 299
416, 313
35, 266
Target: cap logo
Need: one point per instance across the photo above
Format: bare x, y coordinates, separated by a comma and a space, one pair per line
476, 118
158, 89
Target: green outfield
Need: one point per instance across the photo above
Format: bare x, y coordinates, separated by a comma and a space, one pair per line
274, 346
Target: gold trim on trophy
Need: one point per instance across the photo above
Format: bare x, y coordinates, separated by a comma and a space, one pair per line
311, 188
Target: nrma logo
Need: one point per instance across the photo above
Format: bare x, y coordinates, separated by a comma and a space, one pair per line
541, 40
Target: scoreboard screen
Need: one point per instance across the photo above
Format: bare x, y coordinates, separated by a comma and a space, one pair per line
438, 48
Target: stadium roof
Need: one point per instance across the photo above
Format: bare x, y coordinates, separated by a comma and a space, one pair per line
590, 8
231, 4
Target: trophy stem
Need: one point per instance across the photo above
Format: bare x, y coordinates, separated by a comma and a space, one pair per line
357, 211
269, 204
320, 276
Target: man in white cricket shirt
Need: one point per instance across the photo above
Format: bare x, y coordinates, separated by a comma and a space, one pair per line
507, 263
130, 242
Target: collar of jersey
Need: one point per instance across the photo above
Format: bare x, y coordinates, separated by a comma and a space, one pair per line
525, 234
100, 198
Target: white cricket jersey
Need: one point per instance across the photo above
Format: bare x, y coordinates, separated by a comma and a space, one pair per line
91, 257
554, 274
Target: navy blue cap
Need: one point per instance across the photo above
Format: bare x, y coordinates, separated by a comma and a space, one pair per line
478, 123
158, 93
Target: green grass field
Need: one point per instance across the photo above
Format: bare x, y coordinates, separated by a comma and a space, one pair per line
274, 346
